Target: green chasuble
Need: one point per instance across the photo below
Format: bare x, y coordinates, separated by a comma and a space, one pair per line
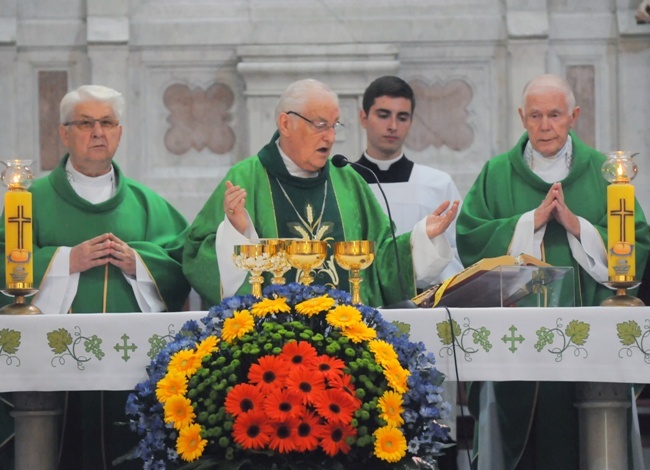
135, 214
505, 189
351, 212
156, 231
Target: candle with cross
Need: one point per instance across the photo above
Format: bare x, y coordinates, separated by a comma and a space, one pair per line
619, 169
18, 225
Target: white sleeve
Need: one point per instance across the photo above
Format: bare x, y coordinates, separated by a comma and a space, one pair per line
590, 251
59, 287
526, 239
144, 288
227, 237
430, 255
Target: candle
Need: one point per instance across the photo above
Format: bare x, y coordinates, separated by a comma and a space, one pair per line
18, 238
620, 230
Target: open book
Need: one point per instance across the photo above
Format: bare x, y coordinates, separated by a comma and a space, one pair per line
487, 283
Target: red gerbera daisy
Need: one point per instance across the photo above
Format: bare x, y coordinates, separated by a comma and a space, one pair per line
335, 406
252, 430
308, 431
283, 436
282, 404
344, 383
299, 353
306, 383
244, 398
329, 366
334, 438
269, 373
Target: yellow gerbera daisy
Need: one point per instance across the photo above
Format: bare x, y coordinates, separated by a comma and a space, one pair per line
174, 383
316, 305
267, 306
207, 346
343, 316
391, 406
234, 328
178, 410
397, 378
189, 443
390, 444
185, 362
383, 351
358, 332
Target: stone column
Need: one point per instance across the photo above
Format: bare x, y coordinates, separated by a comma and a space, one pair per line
602, 412
37, 430
107, 36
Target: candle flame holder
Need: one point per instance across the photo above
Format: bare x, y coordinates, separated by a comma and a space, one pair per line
19, 307
17, 176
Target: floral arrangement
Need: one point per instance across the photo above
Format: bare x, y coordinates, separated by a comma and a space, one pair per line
300, 378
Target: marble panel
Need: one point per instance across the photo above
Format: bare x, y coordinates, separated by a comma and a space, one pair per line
582, 79
184, 174
473, 76
600, 116
52, 87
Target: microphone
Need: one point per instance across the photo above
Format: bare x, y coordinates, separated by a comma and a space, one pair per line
339, 161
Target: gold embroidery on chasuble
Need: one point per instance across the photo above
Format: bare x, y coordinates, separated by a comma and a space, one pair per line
310, 226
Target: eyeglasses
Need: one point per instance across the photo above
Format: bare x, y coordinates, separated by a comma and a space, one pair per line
320, 126
89, 124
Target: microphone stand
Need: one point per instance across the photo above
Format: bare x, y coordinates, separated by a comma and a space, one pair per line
340, 161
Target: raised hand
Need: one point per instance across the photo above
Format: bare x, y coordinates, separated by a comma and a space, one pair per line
234, 201
439, 220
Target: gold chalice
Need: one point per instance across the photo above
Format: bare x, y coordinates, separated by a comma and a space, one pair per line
255, 260
278, 263
306, 255
354, 256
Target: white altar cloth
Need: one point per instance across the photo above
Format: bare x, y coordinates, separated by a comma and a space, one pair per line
111, 351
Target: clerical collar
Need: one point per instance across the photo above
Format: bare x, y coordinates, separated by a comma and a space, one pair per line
553, 168
95, 189
383, 165
292, 168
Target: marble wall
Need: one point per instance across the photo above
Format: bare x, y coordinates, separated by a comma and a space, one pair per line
202, 77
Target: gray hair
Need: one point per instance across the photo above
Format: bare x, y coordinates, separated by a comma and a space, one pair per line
549, 82
86, 93
295, 96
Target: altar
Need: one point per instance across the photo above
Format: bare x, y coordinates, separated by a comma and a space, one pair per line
111, 351
48, 353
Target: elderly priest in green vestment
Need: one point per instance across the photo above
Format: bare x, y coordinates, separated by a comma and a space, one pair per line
103, 243
290, 189
545, 197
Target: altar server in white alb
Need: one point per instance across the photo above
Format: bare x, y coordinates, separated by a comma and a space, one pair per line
413, 190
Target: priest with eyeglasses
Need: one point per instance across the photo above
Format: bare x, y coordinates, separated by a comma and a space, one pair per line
290, 189
103, 243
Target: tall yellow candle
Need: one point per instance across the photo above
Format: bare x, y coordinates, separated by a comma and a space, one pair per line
620, 231
18, 238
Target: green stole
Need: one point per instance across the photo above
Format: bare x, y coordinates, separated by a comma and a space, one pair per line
298, 213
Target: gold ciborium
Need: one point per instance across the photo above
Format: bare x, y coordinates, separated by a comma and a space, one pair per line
306, 255
253, 259
354, 256
278, 263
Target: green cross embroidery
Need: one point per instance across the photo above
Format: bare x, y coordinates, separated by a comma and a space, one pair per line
125, 347
512, 339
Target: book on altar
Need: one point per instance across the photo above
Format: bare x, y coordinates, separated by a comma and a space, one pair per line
498, 282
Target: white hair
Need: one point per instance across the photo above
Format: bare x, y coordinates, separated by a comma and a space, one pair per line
86, 93
545, 83
295, 96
